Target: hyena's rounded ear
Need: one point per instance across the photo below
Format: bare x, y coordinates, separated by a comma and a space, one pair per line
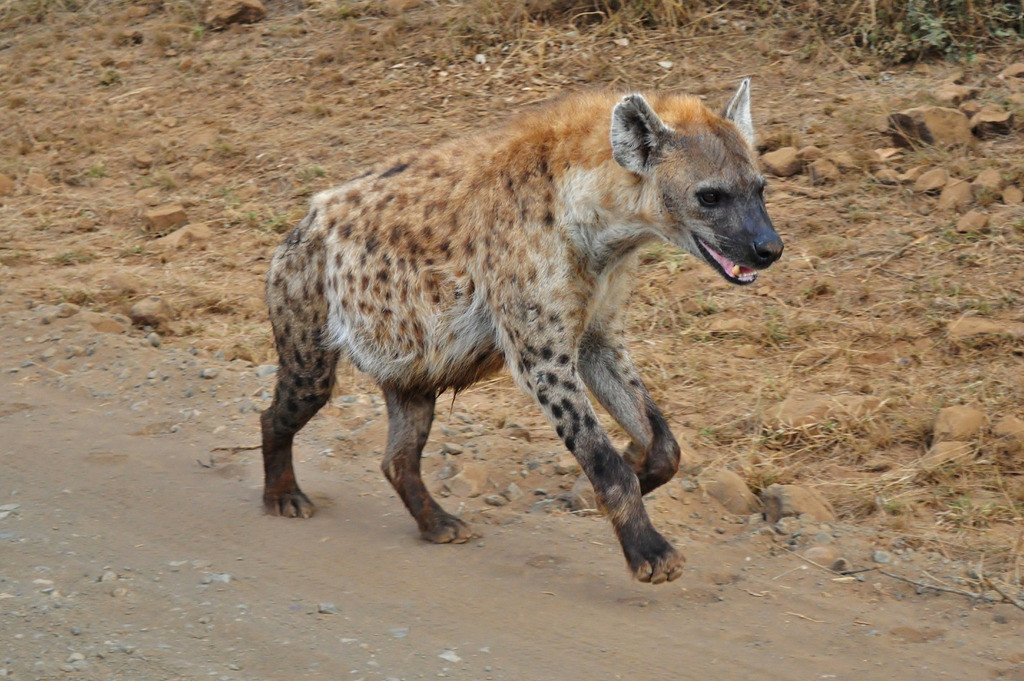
738, 111
636, 135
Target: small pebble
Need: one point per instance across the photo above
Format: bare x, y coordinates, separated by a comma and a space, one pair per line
153, 338
327, 608
209, 372
881, 557
512, 492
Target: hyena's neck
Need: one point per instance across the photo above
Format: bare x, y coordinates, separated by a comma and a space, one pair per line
607, 215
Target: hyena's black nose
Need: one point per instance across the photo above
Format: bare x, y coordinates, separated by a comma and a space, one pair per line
767, 249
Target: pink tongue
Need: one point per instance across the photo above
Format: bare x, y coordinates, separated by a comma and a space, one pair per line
726, 264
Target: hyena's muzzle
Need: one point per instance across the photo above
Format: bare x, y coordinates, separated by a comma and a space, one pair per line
745, 239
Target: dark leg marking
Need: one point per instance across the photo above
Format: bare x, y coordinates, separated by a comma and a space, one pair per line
410, 416
613, 378
559, 390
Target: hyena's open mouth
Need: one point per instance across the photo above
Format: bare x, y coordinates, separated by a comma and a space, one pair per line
733, 273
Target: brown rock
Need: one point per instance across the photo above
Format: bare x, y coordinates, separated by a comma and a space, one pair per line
728, 489
163, 219
782, 162
581, 497
203, 170
1010, 431
1012, 71
689, 461
931, 181
567, 465
824, 555
150, 196
913, 175
1013, 195
958, 423
1017, 98
823, 171
65, 310
972, 328
122, 284
972, 221
887, 176
7, 185
221, 13
930, 125
844, 160
955, 196
782, 501
991, 121
152, 311
970, 107
142, 160
952, 93
471, 481
518, 432
101, 322
944, 453
37, 183
809, 154
193, 236
988, 181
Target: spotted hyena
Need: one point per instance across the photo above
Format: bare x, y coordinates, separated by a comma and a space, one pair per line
514, 248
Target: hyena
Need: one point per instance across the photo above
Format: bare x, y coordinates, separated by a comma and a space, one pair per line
514, 248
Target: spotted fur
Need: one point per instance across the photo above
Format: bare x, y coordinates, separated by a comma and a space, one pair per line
513, 248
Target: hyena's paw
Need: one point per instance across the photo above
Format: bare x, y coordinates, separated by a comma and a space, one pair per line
442, 528
293, 504
653, 560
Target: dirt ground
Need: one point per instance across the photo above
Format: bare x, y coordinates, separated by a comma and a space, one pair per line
132, 541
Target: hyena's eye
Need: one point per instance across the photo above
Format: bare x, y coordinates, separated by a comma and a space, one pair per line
709, 197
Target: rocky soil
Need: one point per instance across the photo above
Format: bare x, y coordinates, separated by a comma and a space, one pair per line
851, 499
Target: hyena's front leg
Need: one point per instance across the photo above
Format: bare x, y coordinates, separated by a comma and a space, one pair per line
609, 372
410, 415
551, 376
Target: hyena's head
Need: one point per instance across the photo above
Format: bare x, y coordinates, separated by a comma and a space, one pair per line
710, 195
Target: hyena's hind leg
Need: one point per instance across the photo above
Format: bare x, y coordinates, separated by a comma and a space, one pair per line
305, 375
410, 415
